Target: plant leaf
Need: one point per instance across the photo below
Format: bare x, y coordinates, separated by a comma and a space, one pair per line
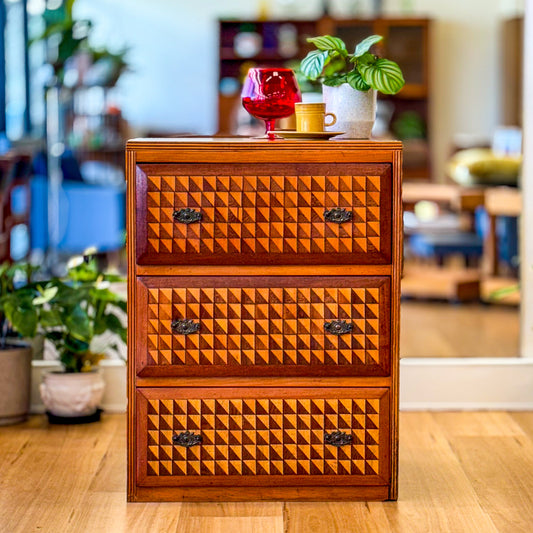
383, 75
78, 324
329, 43
313, 63
335, 65
115, 325
334, 81
365, 59
365, 45
49, 318
24, 320
45, 296
356, 81
75, 345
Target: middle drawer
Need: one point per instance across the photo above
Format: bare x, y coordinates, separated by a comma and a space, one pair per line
263, 326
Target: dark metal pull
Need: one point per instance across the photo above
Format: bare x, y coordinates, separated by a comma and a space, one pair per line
187, 215
338, 438
185, 327
338, 327
187, 439
338, 215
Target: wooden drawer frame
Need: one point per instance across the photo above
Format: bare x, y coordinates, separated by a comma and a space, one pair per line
164, 398
314, 241
145, 368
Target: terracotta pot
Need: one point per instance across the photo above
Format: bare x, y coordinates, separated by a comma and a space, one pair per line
72, 394
15, 380
355, 110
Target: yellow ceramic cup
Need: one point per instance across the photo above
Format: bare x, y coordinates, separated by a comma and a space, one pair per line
311, 117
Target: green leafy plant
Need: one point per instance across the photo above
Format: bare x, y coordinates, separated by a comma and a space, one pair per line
70, 312
71, 37
17, 314
333, 65
74, 310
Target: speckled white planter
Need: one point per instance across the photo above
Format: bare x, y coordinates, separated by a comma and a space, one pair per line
72, 394
355, 110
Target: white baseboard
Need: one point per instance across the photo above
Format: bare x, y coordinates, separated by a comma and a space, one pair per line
487, 383
426, 384
114, 374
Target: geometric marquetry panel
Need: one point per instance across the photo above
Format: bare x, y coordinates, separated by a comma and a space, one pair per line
263, 436
254, 215
268, 325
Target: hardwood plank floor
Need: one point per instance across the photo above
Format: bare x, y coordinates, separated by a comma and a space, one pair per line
440, 329
459, 472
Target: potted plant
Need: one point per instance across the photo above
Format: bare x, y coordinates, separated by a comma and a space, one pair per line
351, 80
73, 314
73, 51
17, 318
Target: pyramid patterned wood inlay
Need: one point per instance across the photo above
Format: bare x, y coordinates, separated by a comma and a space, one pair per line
254, 437
267, 325
259, 215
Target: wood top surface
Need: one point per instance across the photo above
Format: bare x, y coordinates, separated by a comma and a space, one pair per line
245, 142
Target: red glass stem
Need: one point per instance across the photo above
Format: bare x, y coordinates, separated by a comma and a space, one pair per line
270, 125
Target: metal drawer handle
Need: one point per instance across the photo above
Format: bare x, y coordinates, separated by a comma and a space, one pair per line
338, 215
187, 439
337, 438
185, 326
338, 327
187, 215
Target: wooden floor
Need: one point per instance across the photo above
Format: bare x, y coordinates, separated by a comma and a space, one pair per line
435, 329
459, 472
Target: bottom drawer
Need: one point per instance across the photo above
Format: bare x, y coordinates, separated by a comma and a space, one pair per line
262, 436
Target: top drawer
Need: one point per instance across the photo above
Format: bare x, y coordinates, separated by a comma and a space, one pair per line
263, 213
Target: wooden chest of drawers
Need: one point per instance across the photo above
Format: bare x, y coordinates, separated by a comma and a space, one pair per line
263, 317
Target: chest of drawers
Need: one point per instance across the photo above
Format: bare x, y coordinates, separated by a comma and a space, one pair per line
263, 292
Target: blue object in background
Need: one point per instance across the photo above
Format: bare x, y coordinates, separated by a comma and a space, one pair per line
441, 245
506, 233
90, 215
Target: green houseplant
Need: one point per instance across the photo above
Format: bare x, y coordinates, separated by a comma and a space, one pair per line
72, 313
351, 81
70, 37
16, 294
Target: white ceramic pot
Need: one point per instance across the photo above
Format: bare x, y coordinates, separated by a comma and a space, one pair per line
72, 394
355, 110
15, 377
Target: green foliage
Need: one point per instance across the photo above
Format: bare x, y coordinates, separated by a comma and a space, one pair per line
409, 125
74, 310
68, 311
17, 314
333, 65
71, 36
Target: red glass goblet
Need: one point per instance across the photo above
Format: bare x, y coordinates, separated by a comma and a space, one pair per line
269, 94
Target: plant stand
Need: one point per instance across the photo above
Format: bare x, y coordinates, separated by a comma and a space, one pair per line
72, 420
